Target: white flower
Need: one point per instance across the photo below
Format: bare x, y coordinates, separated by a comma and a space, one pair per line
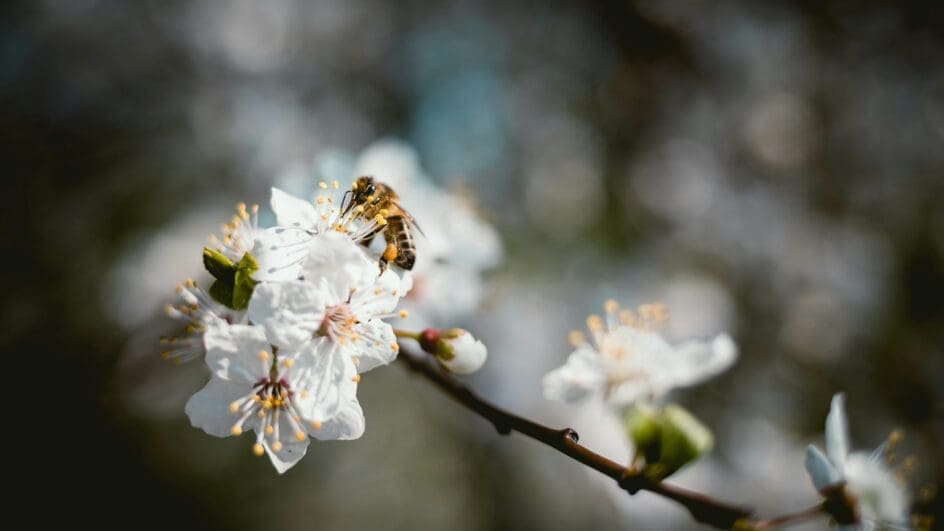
282, 251
340, 304
880, 501
198, 310
281, 393
239, 235
467, 353
627, 361
456, 245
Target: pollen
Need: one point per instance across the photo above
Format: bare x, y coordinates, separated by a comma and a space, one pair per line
611, 306
356, 378
595, 323
233, 406
263, 355
395, 346
390, 252
269, 429
576, 338
299, 435
236, 430
257, 450
323, 185
335, 184
276, 446
320, 199
315, 425
404, 314
627, 317
288, 362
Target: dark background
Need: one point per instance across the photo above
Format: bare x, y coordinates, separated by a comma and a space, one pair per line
786, 156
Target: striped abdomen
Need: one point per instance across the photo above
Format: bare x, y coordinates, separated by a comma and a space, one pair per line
398, 233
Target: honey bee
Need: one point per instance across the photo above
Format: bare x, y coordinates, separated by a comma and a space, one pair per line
377, 199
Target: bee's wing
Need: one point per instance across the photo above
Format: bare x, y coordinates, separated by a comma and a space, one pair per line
411, 220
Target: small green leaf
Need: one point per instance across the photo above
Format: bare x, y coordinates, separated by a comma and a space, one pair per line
243, 282
667, 438
221, 267
644, 428
222, 293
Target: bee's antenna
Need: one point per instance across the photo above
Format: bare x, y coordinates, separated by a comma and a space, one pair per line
344, 202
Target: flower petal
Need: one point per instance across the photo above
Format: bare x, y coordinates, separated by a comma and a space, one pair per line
208, 408
579, 377
341, 262
292, 449
233, 352
319, 376
375, 346
291, 211
280, 253
381, 297
290, 312
346, 425
700, 360
819, 468
837, 432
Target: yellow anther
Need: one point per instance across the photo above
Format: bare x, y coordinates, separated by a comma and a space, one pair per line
576, 338
165, 355
257, 450
263, 355
299, 435
404, 314
627, 317
395, 346
380, 219
269, 429
377, 291
611, 306
323, 185
267, 403
894, 439
335, 184
315, 425
261, 414
233, 406
276, 446
169, 308
356, 378
384, 212
655, 312
359, 209
288, 362
320, 199
236, 430
595, 323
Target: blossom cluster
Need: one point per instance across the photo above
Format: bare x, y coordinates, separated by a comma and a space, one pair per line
296, 314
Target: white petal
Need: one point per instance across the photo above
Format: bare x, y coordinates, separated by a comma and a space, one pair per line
322, 370
375, 347
579, 377
208, 409
341, 262
290, 312
381, 297
819, 468
280, 253
346, 425
469, 354
701, 360
292, 449
291, 211
881, 498
233, 352
837, 432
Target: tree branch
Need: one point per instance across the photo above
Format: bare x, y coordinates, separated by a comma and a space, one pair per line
702, 508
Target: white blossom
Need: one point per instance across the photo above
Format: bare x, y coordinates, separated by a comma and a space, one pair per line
198, 310
466, 354
284, 394
626, 360
881, 502
339, 302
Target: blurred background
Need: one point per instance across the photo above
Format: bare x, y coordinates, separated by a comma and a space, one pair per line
774, 170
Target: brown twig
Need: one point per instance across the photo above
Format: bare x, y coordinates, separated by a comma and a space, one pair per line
703, 508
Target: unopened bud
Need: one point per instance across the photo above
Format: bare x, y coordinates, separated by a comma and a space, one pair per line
667, 438
455, 349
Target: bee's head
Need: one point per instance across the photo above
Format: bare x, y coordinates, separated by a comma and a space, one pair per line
361, 192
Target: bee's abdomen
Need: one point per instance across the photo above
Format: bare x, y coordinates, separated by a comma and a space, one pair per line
398, 233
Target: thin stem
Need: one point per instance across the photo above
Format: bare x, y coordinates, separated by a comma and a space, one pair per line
406, 334
702, 508
792, 518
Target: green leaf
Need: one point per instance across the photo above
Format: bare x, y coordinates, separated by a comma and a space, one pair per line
243, 282
667, 438
644, 428
222, 293
221, 267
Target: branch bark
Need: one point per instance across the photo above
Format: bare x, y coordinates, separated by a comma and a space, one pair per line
703, 509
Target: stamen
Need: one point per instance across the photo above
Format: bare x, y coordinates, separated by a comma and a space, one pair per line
258, 450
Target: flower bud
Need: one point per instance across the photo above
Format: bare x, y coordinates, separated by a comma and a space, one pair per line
667, 439
455, 349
